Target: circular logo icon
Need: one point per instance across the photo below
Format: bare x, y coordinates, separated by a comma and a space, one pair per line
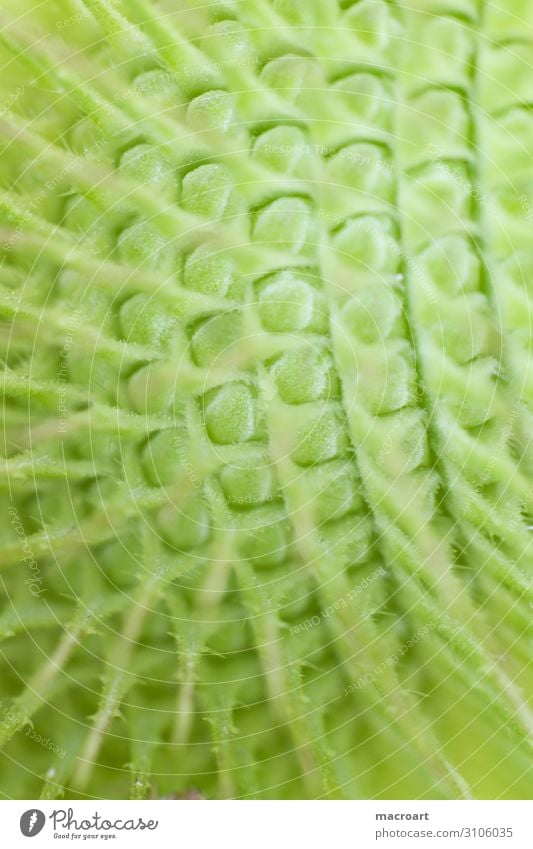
32, 822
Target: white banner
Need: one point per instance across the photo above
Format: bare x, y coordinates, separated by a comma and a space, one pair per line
269, 824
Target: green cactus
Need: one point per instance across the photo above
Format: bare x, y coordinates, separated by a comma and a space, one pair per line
267, 476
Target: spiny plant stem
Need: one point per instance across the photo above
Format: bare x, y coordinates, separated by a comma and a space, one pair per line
35, 692
120, 674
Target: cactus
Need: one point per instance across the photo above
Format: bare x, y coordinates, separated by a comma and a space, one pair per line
267, 480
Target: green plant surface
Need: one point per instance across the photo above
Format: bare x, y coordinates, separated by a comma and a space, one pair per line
266, 482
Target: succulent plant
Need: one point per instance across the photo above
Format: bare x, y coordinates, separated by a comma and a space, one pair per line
267, 474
